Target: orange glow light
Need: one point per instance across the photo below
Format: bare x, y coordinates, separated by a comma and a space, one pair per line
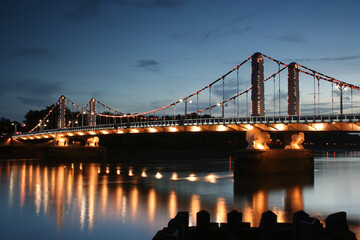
173, 129
192, 177
221, 128
158, 175
195, 129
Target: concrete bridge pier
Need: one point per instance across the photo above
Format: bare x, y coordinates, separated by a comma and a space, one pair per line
61, 141
294, 140
92, 142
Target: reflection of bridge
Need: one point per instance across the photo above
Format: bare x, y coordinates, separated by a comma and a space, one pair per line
62, 122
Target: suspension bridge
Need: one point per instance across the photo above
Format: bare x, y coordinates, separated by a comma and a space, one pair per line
222, 105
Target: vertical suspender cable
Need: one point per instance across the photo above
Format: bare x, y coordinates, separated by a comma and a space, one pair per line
318, 96
351, 91
210, 100
279, 90
274, 96
314, 95
222, 105
174, 111
247, 107
234, 107
237, 90
197, 104
332, 98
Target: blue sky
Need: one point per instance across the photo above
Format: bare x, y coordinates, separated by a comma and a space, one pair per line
137, 55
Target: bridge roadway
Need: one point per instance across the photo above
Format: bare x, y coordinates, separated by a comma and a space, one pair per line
303, 123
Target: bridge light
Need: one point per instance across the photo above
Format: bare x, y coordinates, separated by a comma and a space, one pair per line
173, 129
192, 177
218, 104
92, 133
190, 101
80, 133
211, 178
143, 173
319, 126
158, 175
46, 136
174, 176
70, 134
120, 131
118, 172
221, 128
107, 170
181, 100
104, 132
249, 127
38, 137
134, 130
280, 127
152, 130
131, 172
195, 129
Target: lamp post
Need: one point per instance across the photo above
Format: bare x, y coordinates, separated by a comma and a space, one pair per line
185, 100
15, 126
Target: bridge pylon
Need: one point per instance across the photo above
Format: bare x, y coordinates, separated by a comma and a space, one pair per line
257, 85
93, 112
293, 90
61, 116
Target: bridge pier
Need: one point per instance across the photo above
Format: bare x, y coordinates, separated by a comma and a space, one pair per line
294, 141
92, 142
61, 141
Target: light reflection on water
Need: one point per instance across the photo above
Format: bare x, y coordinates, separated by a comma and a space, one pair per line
134, 200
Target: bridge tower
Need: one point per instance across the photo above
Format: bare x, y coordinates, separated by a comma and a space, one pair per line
61, 116
293, 90
257, 84
93, 112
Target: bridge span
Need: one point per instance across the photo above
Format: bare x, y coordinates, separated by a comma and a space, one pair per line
264, 114
322, 123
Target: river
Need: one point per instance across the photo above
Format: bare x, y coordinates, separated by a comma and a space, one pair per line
135, 198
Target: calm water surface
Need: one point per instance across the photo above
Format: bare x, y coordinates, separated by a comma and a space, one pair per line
133, 200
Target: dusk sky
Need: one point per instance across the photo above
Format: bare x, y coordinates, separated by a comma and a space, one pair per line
137, 55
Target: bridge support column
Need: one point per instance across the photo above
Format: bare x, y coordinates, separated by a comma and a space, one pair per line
257, 85
92, 142
61, 141
294, 141
257, 139
93, 112
293, 90
61, 117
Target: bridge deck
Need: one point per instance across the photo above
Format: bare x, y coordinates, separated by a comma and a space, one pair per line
345, 122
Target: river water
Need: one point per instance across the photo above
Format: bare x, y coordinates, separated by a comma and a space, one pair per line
134, 199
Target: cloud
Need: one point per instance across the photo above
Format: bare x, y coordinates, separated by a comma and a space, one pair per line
32, 87
10, 53
33, 101
290, 38
84, 9
146, 63
150, 4
236, 21
342, 58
